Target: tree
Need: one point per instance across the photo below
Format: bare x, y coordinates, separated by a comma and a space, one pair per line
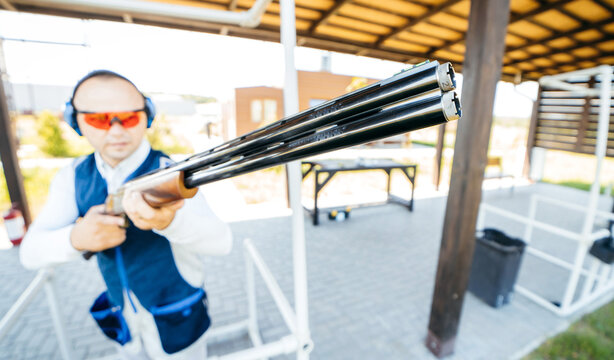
50, 133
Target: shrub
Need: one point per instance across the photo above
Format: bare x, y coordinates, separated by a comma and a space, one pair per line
51, 138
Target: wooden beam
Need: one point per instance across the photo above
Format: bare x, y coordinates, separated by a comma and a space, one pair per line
569, 33
562, 51
517, 18
7, 5
608, 6
432, 11
325, 16
8, 155
439, 155
481, 70
375, 8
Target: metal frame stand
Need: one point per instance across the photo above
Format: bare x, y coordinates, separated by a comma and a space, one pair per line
285, 345
599, 279
44, 278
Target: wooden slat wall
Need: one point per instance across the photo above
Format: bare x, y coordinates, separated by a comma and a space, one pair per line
565, 121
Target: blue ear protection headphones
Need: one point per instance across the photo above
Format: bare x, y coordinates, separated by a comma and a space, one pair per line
70, 114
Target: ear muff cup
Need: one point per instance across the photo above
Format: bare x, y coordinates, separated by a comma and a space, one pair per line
70, 115
150, 110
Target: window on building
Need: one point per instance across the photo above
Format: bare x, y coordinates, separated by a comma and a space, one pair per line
264, 111
256, 111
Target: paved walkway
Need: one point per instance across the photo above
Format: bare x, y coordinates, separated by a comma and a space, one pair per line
370, 287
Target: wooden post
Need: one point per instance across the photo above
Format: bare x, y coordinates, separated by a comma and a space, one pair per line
439, 155
481, 70
8, 149
531, 135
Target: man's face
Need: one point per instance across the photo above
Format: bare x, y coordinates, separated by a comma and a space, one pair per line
110, 94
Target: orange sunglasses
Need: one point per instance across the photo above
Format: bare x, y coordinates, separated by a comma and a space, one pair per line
104, 120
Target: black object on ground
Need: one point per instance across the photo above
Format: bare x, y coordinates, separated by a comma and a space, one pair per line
603, 250
496, 260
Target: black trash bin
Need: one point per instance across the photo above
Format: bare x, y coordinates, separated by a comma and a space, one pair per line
496, 260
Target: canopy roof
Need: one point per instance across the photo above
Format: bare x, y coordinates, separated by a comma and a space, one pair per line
543, 37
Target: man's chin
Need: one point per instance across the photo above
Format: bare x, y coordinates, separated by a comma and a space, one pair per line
118, 154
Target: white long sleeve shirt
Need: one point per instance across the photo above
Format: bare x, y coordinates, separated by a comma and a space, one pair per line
194, 231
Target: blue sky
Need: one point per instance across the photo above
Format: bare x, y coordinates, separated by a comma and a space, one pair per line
177, 61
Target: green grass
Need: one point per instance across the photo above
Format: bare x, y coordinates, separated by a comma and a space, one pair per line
590, 338
576, 184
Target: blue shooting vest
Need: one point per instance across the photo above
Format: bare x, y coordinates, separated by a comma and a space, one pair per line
143, 264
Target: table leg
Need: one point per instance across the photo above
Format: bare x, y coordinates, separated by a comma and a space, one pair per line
318, 187
412, 181
389, 173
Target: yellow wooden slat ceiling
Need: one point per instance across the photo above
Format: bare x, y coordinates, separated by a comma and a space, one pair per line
544, 36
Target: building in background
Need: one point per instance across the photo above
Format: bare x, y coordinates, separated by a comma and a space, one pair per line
261, 105
258, 106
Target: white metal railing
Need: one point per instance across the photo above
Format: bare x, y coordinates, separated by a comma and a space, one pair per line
253, 261
599, 278
287, 344
43, 279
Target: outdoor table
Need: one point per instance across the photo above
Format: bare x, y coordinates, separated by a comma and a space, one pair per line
332, 167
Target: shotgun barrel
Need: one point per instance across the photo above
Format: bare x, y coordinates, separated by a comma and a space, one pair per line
410, 100
367, 100
398, 119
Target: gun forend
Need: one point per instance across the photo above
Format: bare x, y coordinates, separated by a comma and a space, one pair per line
158, 191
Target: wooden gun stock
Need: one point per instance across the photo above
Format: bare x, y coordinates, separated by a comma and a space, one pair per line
158, 191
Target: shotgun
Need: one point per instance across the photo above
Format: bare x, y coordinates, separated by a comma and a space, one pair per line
416, 98
420, 97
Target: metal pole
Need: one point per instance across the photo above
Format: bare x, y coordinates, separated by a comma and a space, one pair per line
288, 39
269, 280
252, 308
11, 316
58, 322
600, 151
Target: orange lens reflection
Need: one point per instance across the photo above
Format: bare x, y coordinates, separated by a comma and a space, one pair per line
103, 121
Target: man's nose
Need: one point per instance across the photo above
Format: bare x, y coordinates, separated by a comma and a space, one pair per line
116, 125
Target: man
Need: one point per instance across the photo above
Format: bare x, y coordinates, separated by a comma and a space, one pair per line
155, 304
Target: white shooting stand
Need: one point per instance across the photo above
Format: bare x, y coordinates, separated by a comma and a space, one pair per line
599, 279
44, 278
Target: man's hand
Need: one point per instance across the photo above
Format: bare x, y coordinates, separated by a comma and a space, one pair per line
97, 231
146, 217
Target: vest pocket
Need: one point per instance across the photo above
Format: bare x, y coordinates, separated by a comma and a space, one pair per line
181, 323
110, 319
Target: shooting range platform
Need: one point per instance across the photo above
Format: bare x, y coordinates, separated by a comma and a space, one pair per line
370, 286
